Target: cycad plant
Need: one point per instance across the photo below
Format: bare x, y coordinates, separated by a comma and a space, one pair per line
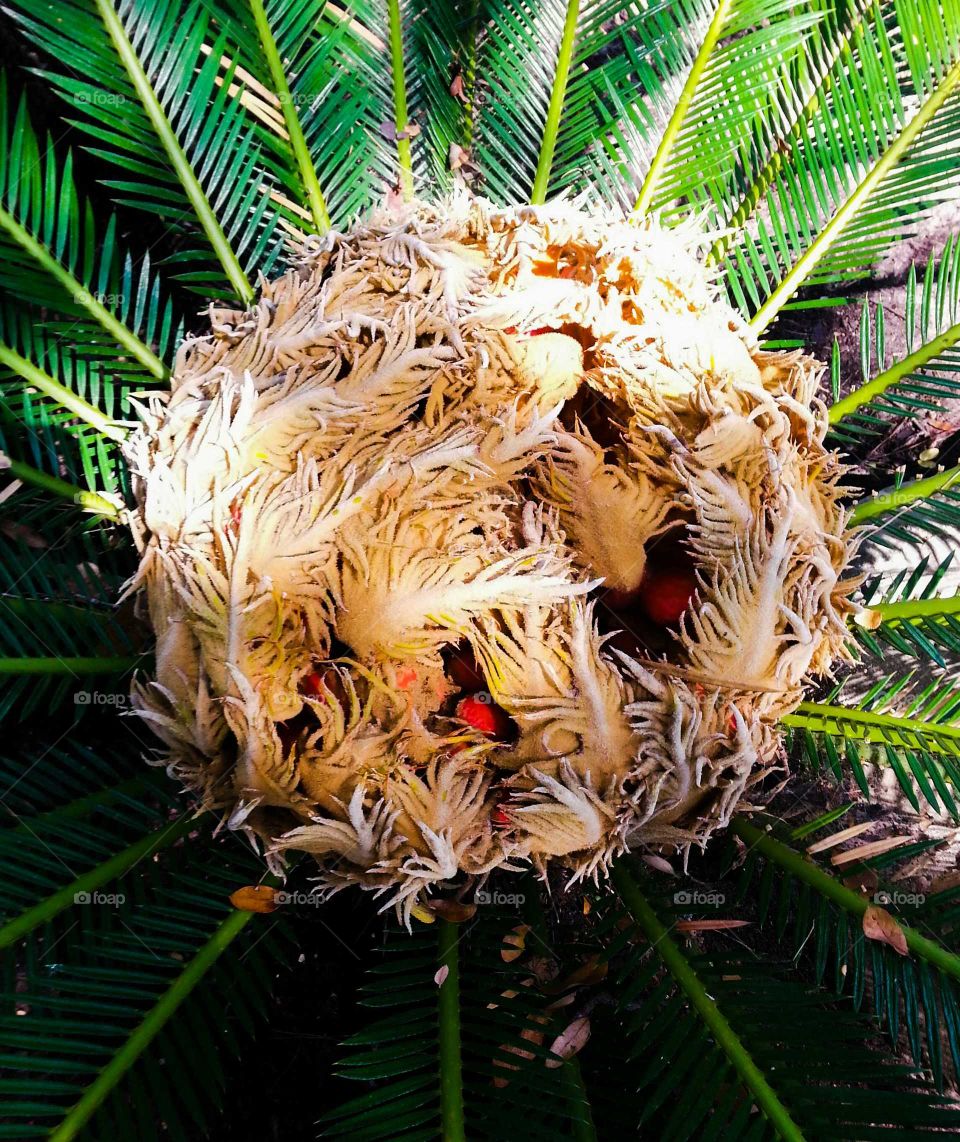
411, 417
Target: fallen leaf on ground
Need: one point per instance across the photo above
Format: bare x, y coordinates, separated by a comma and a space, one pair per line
572, 1038
878, 924
255, 898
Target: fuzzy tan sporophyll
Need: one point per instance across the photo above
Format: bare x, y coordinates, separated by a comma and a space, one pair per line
486, 538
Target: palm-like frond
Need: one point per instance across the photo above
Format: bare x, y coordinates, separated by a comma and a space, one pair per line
920, 380
145, 81
913, 618
760, 1033
867, 157
58, 633
803, 900
914, 731
89, 995
478, 1024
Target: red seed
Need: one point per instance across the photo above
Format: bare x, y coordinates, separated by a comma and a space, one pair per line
479, 711
322, 684
666, 592
499, 817
313, 685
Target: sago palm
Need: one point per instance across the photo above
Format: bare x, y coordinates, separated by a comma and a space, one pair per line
412, 420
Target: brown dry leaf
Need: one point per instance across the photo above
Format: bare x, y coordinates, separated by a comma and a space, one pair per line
865, 852
838, 838
878, 924
457, 89
709, 925
586, 906
453, 910
514, 943
255, 898
572, 1038
441, 974
410, 131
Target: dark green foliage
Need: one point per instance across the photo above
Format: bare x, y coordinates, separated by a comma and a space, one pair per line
201, 134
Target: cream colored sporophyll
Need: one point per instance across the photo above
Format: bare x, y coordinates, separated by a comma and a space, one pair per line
486, 538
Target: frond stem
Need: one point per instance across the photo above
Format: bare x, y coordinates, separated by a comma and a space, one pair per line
153, 1023
206, 215
819, 716
905, 494
896, 373
308, 173
400, 100
675, 125
917, 608
686, 978
558, 93
61, 394
89, 501
82, 296
87, 882
448, 1003
77, 665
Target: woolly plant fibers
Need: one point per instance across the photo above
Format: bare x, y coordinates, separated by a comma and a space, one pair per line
485, 538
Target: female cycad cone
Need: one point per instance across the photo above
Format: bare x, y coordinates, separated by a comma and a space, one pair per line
380, 467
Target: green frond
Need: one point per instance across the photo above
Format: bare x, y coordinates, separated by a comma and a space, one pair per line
60, 636
722, 1045
411, 1052
918, 994
312, 83
685, 976
918, 382
144, 80
90, 1035
66, 418
913, 618
911, 730
738, 86
57, 259
912, 512
872, 158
